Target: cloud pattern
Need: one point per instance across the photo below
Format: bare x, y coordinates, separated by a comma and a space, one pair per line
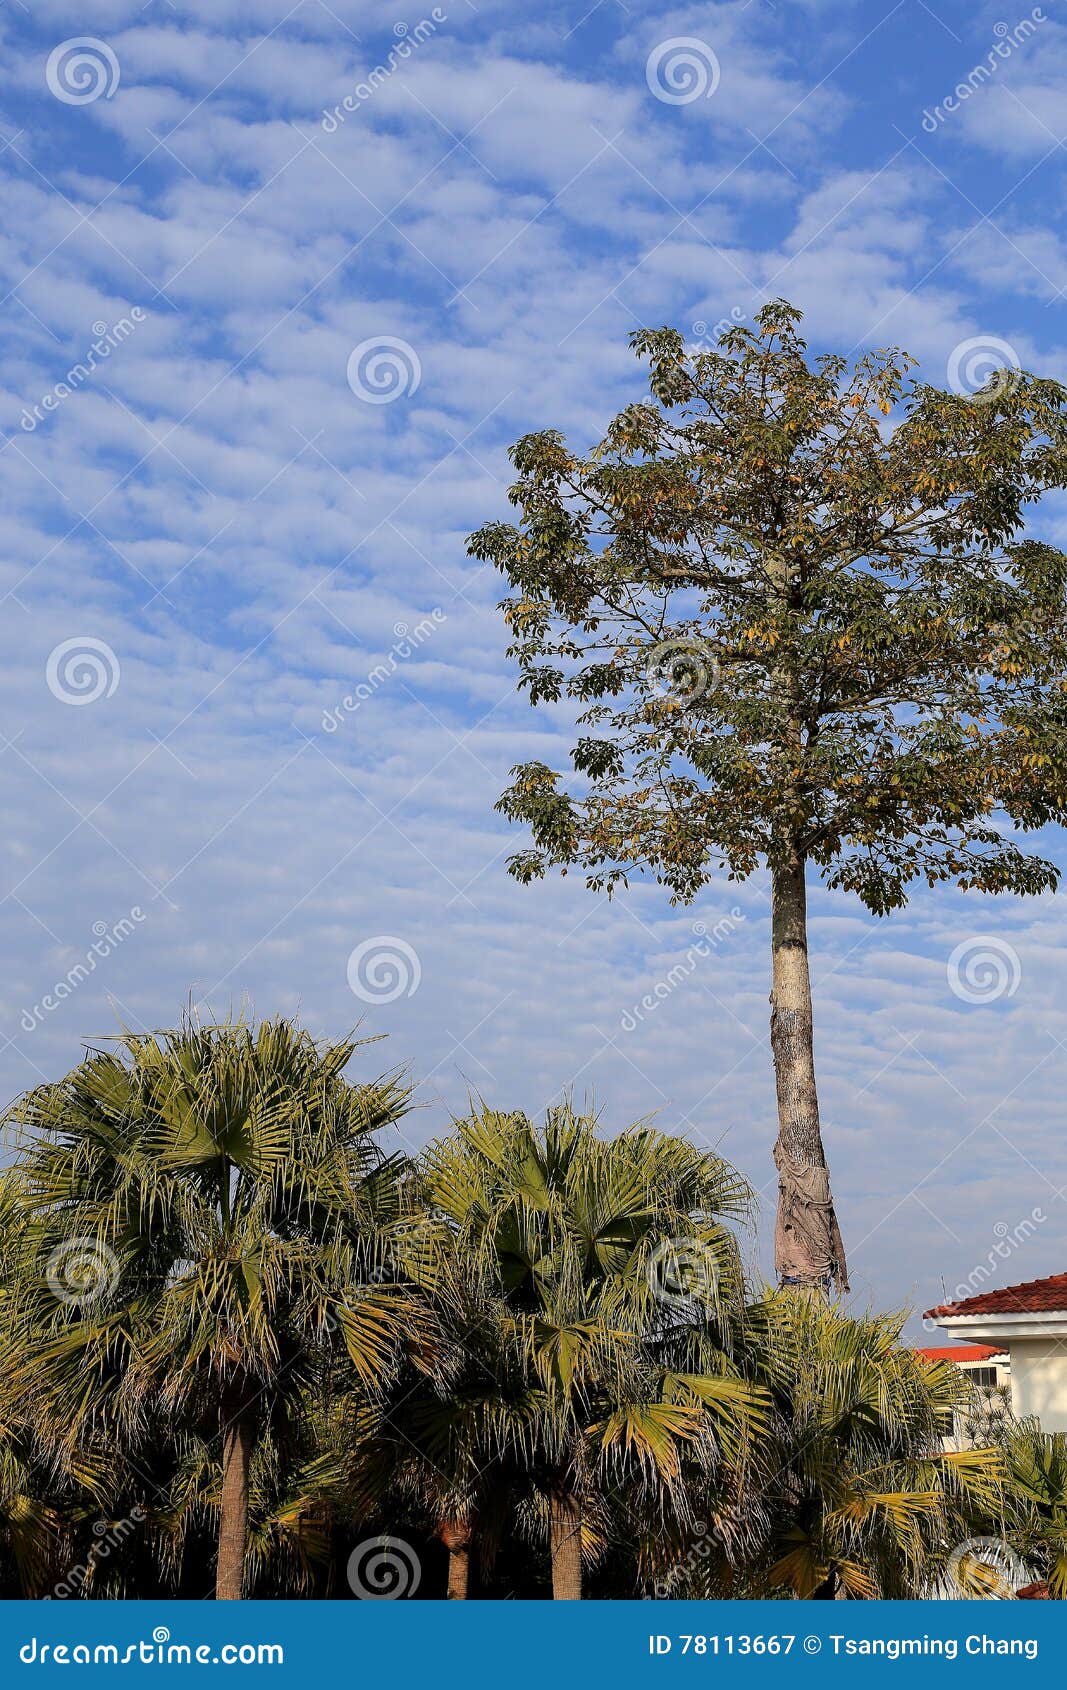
280, 284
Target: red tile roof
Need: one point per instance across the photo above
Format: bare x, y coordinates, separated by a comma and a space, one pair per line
961, 1352
1038, 1592
1037, 1296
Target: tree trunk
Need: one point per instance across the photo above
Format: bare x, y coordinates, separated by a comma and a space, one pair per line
456, 1536
233, 1515
459, 1566
565, 1534
807, 1245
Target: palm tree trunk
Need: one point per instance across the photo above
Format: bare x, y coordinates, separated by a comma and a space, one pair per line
459, 1566
565, 1536
233, 1514
808, 1248
456, 1536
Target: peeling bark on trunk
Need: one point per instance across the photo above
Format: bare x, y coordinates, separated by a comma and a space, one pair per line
565, 1533
233, 1514
807, 1245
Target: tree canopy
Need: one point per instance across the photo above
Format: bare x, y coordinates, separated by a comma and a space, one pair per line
790, 601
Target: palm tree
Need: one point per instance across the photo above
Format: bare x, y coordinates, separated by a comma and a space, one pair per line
419, 1454
288, 1542
46, 1486
208, 1215
585, 1242
1033, 1519
858, 1497
441, 1446
37, 1490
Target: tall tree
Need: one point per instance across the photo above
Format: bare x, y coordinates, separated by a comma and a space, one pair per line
792, 604
209, 1214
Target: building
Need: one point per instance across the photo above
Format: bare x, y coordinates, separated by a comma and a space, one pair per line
989, 1371
1029, 1322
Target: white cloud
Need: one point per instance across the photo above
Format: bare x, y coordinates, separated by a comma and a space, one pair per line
218, 506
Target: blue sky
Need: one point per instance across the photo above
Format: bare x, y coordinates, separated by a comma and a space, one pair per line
316, 337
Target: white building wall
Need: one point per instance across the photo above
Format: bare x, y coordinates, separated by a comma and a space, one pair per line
1039, 1381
